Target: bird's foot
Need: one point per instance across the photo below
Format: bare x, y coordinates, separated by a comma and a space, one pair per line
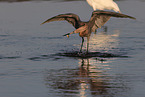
83, 53
80, 52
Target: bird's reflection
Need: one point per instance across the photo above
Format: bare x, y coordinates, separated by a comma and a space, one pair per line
89, 79
92, 79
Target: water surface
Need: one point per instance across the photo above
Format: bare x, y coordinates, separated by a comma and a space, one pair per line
34, 59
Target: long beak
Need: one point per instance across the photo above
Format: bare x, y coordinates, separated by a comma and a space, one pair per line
67, 35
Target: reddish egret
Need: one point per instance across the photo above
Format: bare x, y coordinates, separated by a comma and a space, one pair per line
98, 19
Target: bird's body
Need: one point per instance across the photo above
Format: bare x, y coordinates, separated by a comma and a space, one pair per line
103, 4
98, 19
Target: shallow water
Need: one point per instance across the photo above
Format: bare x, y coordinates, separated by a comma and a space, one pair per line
37, 61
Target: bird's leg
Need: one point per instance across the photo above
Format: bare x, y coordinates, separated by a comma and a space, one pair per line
82, 44
82, 62
87, 43
95, 31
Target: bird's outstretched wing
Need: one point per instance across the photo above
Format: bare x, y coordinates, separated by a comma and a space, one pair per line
103, 16
112, 14
70, 17
100, 21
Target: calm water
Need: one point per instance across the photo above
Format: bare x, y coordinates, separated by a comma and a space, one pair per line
31, 61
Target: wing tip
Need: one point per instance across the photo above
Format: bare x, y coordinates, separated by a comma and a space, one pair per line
133, 18
102, 11
43, 23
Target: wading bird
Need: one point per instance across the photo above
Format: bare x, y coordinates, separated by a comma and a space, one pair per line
98, 19
104, 4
